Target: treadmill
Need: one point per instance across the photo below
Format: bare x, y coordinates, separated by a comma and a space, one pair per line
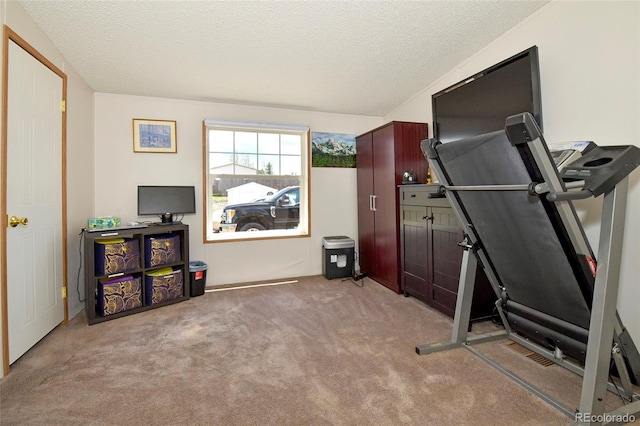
552, 294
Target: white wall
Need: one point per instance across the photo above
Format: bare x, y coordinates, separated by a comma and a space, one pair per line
590, 77
119, 171
79, 142
80, 182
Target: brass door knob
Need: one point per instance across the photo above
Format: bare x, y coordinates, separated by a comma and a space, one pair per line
15, 221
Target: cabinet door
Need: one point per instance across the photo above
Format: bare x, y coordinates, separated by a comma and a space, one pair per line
386, 207
415, 251
366, 242
446, 233
407, 147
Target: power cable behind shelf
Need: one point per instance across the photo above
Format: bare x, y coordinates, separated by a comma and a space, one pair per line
80, 266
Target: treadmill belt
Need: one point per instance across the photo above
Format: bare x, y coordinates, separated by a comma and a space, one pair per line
511, 225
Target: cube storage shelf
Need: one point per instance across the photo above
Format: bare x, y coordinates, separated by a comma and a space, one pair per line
131, 270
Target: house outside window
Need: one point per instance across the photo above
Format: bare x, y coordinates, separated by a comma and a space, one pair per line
256, 178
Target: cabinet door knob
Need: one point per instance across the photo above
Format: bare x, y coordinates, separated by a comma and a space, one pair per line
427, 218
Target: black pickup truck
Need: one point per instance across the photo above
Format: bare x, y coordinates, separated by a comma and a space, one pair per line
278, 211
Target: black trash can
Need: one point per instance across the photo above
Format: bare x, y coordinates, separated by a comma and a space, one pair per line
197, 277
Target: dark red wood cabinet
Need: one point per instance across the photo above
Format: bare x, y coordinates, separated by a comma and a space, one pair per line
382, 156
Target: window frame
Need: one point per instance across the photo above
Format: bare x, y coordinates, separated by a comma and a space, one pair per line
304, 228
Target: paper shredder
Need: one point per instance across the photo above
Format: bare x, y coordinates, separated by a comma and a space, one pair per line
338, 257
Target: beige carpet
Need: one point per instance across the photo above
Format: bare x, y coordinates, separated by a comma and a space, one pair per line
316, 352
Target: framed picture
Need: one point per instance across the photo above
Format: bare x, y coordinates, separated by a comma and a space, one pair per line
333, 149
154, 136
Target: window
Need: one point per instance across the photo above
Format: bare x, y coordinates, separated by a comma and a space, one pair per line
257, 180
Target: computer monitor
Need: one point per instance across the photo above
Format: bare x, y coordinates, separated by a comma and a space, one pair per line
166, 201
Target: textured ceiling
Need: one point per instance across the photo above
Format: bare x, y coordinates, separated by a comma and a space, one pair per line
355, 57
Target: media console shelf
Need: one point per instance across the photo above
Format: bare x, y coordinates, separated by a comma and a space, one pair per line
131, 270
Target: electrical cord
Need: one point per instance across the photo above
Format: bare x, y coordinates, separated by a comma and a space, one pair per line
80, 265
495, 316
355, 280
615, 385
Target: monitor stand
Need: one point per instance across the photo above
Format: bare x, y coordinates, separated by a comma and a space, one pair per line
166, 218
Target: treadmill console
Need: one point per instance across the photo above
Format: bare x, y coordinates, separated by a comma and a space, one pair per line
603, 167
567, 152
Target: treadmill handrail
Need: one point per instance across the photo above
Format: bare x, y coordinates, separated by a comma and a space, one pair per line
521, 187
565, 196
533, 188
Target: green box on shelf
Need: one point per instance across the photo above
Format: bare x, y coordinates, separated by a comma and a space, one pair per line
104, 222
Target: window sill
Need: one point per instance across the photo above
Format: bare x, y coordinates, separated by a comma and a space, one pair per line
225, 237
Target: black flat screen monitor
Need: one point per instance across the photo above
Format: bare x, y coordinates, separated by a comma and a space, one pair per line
481, 103
165, 201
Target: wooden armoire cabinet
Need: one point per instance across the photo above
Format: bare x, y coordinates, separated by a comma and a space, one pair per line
382, 156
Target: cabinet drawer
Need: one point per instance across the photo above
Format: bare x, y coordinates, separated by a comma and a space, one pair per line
416, 198
418, 195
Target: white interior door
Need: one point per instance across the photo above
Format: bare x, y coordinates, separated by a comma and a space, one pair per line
34, 191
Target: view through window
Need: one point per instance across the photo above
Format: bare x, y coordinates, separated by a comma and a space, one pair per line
257, 181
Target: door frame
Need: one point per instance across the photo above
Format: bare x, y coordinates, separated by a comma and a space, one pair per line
8, 36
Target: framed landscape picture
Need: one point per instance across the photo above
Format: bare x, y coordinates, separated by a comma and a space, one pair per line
333, 149
154, 136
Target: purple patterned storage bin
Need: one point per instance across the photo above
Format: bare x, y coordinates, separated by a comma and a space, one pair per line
119, 294
113, 256
161, 250
163, 287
